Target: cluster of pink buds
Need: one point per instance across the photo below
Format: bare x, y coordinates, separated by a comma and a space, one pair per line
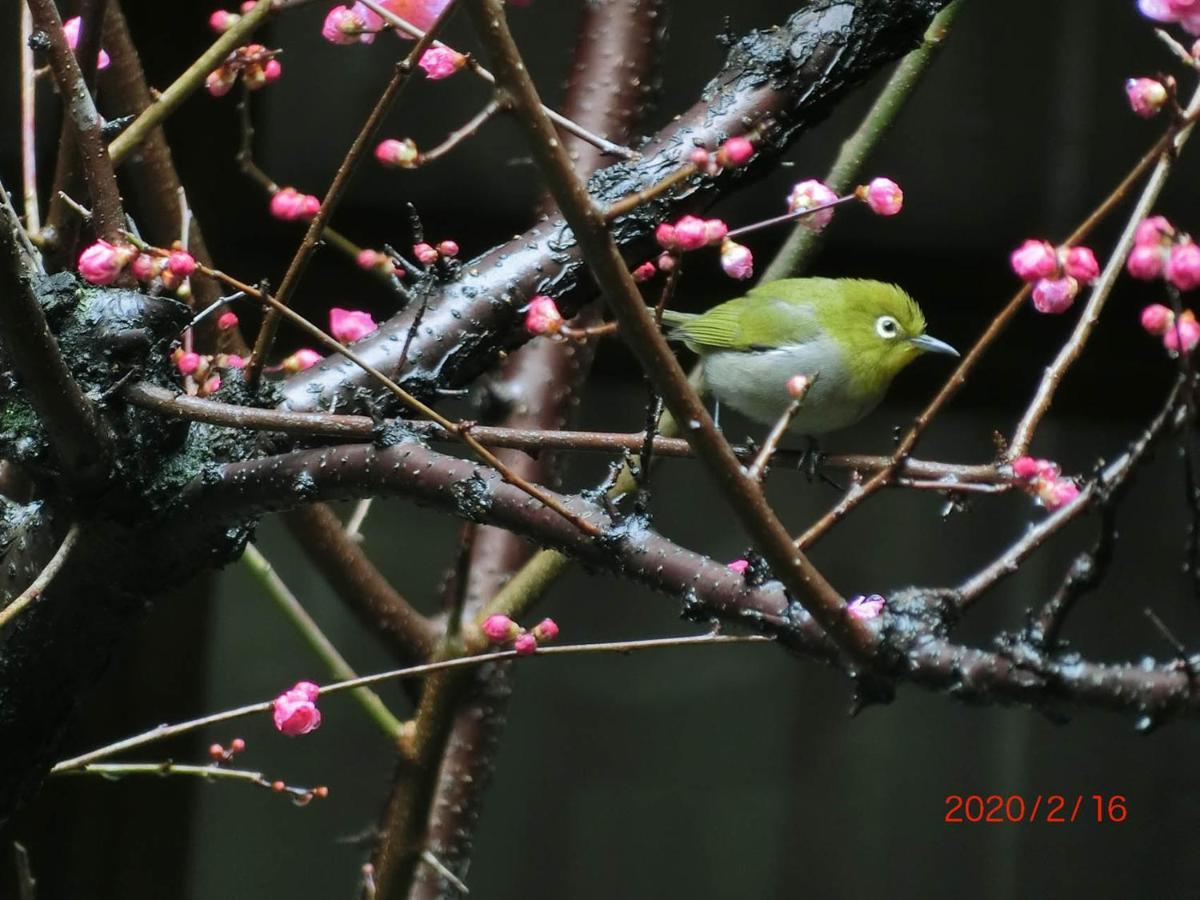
222, 20
1043, 480
219, 754
440, 61
428, 254
71, 30
295, 711
542, 316
690, 233
373, 260
882, 195
867, 606
1180, 334
398, 153
1055, 273
1159, 250
302, 359
170, 270
102, 263
734, 153
501, 630
350, 325
1147, 96
292, 206
256, 65
202, 373
812, 194
1185, 12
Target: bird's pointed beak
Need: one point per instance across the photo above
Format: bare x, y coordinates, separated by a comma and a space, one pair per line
929, 344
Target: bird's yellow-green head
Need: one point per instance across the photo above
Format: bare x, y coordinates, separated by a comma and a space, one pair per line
854, 335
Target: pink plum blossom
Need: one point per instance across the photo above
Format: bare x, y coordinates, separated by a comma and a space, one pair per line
1183, 266
1081, 264
291, 205
350, 325
809, 195
545, 630
500, 629
101, 263
227, 320
440, 61
1034, 259
1183, 334
1146, 262
736, 260
542, 316
397, 154
883, 196
735, 152
295, 711
1055, 295
525, 644
299, 361
868, 607
1156, 319
1146, 96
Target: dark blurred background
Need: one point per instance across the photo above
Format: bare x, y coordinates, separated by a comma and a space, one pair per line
713, 772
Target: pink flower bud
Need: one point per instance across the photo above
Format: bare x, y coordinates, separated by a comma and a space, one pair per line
691, 233
227, 320
715, 231
398, 154
220, 81
1081, 264
883, 196
368, 259
299, 361
1183, 266
1146, 262
1033, 260
426, 254
1026, 468
448, 248
1146, 96
271, 70
542, 316
181, 263
348, 26
798, 385
1055, 295
701, 159
666, 262
1156, 319
644, 272
102, 262
738, 565
291, 205
295, 712
71, 30
865, 607
1057, 493
665, 235
211, 385
350, 325
500, 629
440, 61
188, 363
221, 21
545, 630
525, 645
216, 752
231, 361
145, 267
1152, 231
248, 5
735, 152
809, 195
1183, 335
736, 260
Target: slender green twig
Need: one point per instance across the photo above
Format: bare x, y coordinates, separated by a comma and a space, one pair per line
35, 590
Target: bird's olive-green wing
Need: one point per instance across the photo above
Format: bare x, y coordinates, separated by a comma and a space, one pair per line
771, 315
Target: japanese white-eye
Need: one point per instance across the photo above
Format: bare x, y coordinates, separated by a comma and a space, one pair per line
852, 336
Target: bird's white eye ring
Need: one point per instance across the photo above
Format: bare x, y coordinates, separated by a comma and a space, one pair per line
887, 327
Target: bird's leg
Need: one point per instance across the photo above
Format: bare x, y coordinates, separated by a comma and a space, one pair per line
717, 414
811, 461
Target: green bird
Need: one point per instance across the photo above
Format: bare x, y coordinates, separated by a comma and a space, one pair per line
852, 336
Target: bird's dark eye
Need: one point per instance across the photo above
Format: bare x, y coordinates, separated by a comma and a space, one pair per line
887, 327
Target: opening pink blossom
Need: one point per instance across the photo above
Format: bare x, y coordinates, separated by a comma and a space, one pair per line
809, 195
883, 196
350, 325
736, 260
440, 61
295, 711
542, 316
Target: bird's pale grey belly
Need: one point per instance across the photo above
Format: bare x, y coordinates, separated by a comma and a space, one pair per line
755, 384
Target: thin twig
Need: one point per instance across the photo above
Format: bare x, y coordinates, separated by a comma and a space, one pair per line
468, 130
758, 468
33, 220
35, 590
162, 732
